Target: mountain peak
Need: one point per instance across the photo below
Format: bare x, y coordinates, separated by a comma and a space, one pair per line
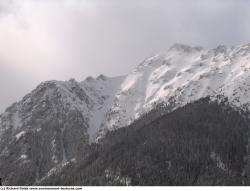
102, 77
89, 79
184, 47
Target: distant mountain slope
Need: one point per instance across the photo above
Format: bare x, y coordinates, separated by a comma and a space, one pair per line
60, 117
202, 143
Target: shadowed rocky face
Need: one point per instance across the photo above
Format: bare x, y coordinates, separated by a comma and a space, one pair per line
40, 133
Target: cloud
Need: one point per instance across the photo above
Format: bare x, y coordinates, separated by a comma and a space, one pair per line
5, 6
58, 39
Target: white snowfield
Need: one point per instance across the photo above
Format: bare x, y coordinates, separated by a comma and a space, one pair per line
184, 73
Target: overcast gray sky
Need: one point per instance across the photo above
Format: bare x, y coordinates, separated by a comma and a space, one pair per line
59, 39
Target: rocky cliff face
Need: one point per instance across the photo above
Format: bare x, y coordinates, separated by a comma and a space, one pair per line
45, 129
42, 131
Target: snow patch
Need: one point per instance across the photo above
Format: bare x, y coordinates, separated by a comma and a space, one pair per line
17, 123
20, 134
23, 157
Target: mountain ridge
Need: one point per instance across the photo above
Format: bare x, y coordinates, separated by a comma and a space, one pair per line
66, 115
181, 70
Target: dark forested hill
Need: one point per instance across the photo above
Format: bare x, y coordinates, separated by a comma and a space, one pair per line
202, 143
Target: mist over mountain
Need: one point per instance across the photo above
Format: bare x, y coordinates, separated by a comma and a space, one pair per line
158, 110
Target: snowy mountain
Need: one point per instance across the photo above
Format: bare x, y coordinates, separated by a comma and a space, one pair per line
182, 74
58, 117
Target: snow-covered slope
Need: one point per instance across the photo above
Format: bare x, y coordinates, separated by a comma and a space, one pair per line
61, 114
182, 74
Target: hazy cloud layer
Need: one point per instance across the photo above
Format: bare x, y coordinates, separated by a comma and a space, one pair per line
58, 39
